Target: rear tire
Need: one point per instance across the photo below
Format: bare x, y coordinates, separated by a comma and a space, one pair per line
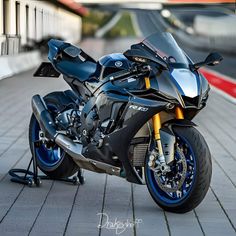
65, 166
201, 177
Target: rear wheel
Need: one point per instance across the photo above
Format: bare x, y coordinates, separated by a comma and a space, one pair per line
52, 160
186, 185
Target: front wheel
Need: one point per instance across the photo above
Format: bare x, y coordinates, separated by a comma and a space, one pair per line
182, 189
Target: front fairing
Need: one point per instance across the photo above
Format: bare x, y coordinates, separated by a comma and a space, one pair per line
162, 85
177, 82
187, 82
181, 86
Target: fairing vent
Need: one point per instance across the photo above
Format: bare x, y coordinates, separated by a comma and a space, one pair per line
191, 102
139, 154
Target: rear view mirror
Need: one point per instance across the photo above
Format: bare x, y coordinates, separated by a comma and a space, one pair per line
212, 59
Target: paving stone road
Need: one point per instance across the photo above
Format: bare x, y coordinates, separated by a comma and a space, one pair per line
58, 208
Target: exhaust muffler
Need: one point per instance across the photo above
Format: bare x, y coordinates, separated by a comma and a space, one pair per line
43, 116
48, 126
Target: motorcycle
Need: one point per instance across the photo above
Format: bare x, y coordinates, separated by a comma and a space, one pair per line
130, 115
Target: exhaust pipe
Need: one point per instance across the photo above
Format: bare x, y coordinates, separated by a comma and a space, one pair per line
75, 150
48, 126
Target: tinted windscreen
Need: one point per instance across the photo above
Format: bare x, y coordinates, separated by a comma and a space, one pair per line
165, 46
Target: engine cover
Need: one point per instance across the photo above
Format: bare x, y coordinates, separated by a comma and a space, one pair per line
91, 120
88, 127
64, 118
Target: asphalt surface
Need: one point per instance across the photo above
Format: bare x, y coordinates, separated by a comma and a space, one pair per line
186, 14
151, 22
58, 208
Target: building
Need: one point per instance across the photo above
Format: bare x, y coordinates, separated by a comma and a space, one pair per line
25, 22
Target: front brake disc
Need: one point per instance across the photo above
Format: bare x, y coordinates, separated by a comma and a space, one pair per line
172, 185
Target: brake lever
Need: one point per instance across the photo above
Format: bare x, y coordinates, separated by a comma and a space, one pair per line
134, 71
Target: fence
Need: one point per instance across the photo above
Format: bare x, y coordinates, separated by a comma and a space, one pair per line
9, 44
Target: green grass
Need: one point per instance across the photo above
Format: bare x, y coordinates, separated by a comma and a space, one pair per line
94, 20
123, 28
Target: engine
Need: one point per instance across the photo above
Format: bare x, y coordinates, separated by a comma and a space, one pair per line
69, 121
89, 126
88, 129
83, 129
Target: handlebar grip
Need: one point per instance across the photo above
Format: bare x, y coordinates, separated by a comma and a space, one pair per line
121, 75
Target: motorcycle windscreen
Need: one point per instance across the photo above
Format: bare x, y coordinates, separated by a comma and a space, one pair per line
165, 46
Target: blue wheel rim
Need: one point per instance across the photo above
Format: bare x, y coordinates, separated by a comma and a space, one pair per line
186, 188
47, 157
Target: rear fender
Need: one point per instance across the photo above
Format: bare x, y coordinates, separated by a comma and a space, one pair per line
46, 69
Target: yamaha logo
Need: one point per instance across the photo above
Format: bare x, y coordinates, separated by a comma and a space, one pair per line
118, 63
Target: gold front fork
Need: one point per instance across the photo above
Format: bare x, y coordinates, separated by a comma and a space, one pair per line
156, 119
179, 113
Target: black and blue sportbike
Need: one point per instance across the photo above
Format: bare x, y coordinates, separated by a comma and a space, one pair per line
128, 114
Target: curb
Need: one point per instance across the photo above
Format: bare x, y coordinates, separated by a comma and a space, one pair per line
222, 84
13, 64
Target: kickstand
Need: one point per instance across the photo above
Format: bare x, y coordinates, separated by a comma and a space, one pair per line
27, 177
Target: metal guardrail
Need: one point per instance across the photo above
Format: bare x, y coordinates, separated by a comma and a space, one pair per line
219, 32
9, 44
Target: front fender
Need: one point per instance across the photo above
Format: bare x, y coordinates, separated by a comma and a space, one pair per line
168, 137
178, 122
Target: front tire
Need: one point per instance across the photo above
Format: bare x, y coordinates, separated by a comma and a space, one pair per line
198, 174
54, 162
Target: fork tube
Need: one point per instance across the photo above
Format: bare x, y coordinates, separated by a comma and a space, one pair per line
147, 82
179, 113
156, 120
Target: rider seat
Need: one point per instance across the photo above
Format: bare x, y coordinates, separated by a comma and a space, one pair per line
71, 61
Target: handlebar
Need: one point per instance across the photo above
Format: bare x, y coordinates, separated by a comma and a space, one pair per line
135, 70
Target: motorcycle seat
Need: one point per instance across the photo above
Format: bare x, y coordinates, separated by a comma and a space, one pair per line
70, 60
75, 69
